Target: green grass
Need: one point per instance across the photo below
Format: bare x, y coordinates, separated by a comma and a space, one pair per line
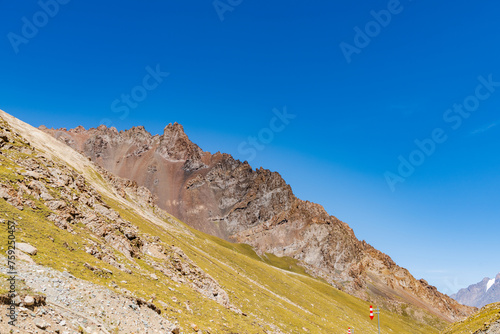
478, 321
265, 293
285, 263
264, 288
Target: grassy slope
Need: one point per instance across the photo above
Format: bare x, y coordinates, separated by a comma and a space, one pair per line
478, 321
270, 290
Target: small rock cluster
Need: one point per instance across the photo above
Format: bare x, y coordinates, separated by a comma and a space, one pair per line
67, 305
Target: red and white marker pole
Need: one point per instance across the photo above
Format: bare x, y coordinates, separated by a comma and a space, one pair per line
349, 330
378, 316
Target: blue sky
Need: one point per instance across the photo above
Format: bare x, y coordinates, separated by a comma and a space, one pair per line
354, 116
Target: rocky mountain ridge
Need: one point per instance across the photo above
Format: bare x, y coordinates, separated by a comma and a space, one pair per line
480, 294
219, 195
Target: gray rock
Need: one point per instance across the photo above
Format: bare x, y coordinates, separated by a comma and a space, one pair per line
26, 248
46, 196
4, 193
41, 324
55, 205
32, 174
29, 301
17, 300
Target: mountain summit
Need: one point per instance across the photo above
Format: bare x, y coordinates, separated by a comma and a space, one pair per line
224, 197
480, 294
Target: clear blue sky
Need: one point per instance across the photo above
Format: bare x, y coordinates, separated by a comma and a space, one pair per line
352, 119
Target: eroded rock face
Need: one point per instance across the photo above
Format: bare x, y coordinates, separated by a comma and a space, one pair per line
214, 193
225, 197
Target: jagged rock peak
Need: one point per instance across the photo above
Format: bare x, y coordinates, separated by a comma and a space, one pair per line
138, 129
174, 127
101, 129
138, 132
175, 133
78, 129
175, 144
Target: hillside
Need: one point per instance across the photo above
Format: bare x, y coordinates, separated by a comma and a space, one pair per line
226, 198
94, 231
485, 321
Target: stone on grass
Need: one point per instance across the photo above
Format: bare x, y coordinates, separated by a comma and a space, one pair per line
26, 248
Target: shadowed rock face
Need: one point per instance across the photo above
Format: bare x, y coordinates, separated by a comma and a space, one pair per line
219, 195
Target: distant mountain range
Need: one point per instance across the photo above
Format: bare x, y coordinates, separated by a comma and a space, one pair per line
485, 292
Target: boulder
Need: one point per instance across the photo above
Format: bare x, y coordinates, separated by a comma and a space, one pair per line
29, 301
26, 248
17, 300
56, 205
41, 324
32, 174
4, 193
46, 196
